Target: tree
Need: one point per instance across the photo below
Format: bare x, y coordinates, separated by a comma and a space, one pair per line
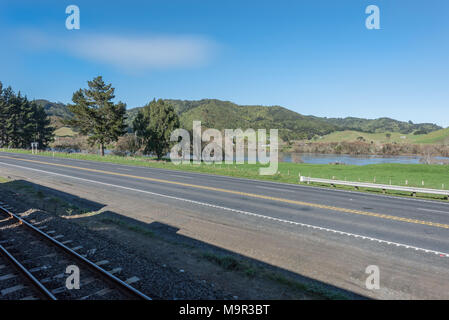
22, 121
3, 115
44, 133
153, 125
14, 119
96, 116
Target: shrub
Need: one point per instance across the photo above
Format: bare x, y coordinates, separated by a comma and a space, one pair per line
127, 144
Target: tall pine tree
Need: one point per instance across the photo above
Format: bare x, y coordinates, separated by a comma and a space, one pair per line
44, 133
96, 115
22, 121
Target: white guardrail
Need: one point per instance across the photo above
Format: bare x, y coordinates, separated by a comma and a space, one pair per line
384, 187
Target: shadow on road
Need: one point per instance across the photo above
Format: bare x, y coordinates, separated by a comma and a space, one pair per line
24, 195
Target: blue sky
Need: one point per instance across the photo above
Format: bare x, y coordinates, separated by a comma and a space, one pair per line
314, 57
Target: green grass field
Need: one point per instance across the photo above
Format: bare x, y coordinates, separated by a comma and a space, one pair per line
440, 136
64, 132
434, 176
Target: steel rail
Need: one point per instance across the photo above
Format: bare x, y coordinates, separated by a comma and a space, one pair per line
28, 274
121, 284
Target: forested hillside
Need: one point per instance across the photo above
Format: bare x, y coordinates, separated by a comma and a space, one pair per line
382, 125
292, 125
223, 114
227, 115
54, 109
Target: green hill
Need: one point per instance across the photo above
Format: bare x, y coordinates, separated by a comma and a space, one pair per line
292, 125
227, 115
435, 137
223, 114
382, 125
440, 136
55, 109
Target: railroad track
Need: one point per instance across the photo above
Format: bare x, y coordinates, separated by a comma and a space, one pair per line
34, 263
13, 285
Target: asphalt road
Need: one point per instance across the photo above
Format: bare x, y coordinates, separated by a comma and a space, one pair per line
409, 226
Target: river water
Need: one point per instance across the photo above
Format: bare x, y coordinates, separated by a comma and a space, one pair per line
319, 158
316, 158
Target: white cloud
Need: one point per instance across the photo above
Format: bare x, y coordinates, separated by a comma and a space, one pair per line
129, 53
151, 52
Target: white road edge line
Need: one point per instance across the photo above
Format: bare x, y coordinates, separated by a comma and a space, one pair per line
237, 178
274, 189
243, 212
432, 210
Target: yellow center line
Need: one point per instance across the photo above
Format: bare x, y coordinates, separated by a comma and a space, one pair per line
252, 195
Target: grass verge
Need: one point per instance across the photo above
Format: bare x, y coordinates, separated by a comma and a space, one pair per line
413, 175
